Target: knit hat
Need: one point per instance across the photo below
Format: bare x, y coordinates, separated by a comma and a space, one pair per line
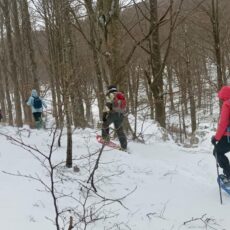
112, 88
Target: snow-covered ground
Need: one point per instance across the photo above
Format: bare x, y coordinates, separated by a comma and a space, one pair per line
161, 186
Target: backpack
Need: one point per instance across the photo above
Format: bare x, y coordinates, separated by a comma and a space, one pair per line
37, 104
119, 102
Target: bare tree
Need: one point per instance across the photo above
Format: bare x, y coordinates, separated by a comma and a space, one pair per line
212, 11
84, 211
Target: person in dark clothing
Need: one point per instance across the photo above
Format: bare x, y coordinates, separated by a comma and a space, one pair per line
221, 140
37, 111
112, 115
1, 117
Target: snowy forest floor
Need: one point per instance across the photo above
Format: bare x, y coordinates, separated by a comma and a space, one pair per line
164, 186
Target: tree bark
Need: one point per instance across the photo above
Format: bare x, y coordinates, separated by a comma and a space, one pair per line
13, 64
156, 66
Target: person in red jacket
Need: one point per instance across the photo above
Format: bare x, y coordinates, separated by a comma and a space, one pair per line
221, 140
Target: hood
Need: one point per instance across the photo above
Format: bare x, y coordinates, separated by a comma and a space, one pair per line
224, 93
34, 93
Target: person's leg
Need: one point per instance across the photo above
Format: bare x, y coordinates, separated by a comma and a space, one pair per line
35, 115
105, 127
224, 163
40, 120
37, 118
221, 149
118, 124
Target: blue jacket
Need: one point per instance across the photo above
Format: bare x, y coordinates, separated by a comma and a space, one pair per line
30, 102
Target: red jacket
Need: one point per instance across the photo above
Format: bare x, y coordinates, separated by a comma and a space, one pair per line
224, 122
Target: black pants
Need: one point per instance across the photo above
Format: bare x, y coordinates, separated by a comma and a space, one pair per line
37, 116
221, 149
117, 120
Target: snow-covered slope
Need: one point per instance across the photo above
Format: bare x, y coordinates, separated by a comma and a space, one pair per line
165, 186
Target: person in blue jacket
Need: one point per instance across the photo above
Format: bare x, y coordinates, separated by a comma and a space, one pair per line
36, 103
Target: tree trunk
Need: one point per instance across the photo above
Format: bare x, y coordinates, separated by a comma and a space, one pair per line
156, 66
21, 68
95, 46
13, 65
170, 84
2, 97
28, 35
69, 150
8, 100
216, 36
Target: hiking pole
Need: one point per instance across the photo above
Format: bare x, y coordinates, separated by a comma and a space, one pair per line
218, 173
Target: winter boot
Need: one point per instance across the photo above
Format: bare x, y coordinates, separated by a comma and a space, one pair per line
41, 123
226, 180
106, 139
123, 149
37, 124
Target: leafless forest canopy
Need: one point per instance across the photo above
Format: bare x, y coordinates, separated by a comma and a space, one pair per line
168, 56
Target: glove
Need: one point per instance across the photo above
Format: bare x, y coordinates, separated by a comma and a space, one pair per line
104, 116
213, 140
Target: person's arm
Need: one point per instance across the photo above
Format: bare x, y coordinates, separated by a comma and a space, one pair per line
29, 101
109, 101
43, 103
223, 122
108, 107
